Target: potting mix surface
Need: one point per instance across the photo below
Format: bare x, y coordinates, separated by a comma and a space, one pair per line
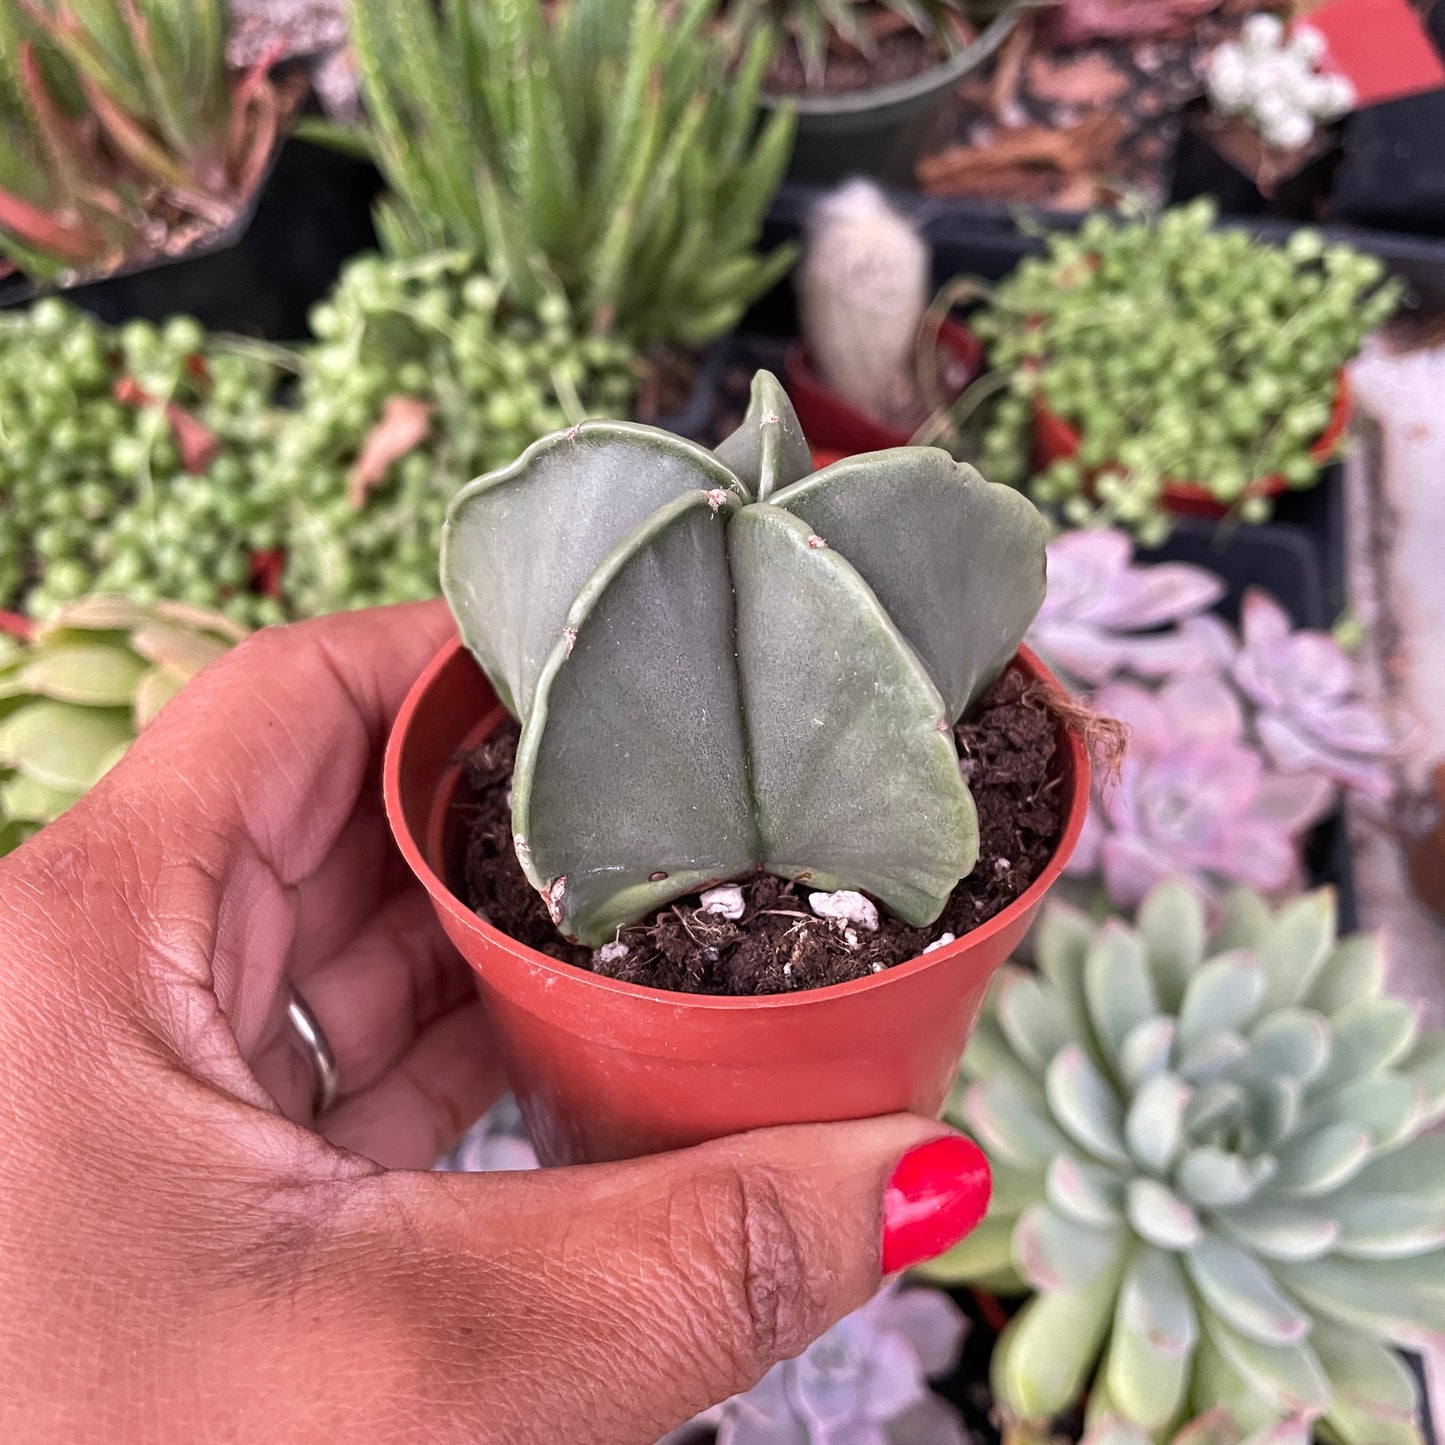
779, 945
899, 55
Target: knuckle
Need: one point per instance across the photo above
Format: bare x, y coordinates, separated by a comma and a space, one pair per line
762, 1263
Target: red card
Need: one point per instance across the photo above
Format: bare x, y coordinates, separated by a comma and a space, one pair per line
1380, 45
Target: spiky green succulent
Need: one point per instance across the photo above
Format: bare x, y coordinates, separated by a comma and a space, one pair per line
609, 148
1211, 1163
723, 661
74, 696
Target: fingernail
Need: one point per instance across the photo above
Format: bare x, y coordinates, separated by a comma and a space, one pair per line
938, 1193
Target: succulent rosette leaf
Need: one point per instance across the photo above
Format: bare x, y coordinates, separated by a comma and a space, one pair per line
1215, 1428
1106, 614
1193, 798
74, 696
1310, 715
1211, 1162
722, 661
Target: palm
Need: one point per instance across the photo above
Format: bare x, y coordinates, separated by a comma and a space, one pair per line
292, 881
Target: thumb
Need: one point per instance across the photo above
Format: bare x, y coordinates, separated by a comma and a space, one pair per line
610, 1303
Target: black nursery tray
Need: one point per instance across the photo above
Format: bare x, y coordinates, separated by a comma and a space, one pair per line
263, 274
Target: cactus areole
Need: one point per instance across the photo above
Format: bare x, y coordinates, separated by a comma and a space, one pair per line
724, 662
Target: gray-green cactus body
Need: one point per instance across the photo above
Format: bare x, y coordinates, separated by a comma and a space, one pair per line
723, 662
1213, 1162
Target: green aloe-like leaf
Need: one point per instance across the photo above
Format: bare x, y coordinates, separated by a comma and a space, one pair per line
1151, 1348
1242, 1293
1011, 1125
708, 684
1158, 1215
1217, 1178
1286, 1377
1171, 927
1154, 1124
1048, 1349
1057, 1253
64, 746
1222, 997
1119, 988
1374, 1399
1354, 970
1295, 945
1277, 1231
1088, 1193
1030, 1018
29, 800
1085, 1104
91, 673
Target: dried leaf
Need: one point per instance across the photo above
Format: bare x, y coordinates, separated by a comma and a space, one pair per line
405, 423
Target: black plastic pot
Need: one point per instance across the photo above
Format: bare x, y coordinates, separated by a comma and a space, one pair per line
313, 212
882, 131
1201, 169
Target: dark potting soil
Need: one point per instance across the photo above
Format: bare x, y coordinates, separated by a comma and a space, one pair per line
897, 56
779, 945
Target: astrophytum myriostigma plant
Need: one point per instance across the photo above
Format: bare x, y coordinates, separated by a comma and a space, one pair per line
1212, 1160
723, 661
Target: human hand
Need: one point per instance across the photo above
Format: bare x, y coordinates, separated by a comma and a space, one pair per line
183, 1258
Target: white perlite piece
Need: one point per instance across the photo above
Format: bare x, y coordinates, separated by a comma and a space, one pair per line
845, 906
726, 901
942, 941
612, 952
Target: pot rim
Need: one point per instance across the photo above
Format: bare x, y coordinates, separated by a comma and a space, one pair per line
445, 899
897, 92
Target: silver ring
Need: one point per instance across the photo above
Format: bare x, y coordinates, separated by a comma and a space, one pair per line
317, 1048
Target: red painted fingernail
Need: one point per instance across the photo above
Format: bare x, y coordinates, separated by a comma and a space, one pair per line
938, 1193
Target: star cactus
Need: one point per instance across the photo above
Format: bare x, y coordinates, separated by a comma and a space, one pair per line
724, 661
1212, 1161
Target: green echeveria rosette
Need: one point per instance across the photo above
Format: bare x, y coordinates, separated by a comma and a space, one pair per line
1211, 1163
75, 695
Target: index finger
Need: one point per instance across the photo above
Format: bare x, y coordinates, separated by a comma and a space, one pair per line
275, 740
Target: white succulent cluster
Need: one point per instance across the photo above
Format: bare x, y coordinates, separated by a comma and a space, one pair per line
1271, 78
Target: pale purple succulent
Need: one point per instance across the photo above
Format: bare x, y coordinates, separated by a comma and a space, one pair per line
1105, 615
498, 1140
1193, 798
865, 1382
1309, 715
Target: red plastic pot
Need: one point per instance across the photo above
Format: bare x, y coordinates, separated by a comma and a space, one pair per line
1056, 440
836, 427
608, 1070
